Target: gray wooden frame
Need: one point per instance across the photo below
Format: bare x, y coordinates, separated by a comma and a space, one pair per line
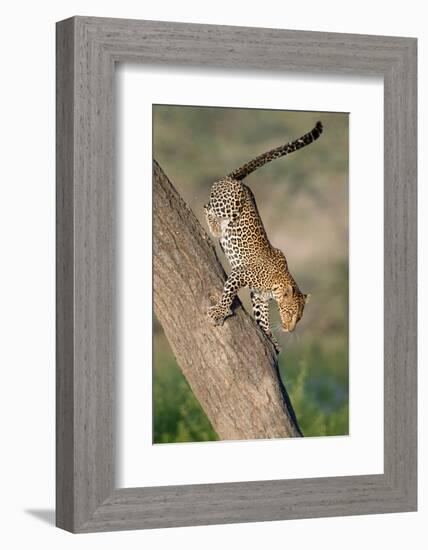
87, 50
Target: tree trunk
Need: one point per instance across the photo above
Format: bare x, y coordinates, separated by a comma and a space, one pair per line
232, 369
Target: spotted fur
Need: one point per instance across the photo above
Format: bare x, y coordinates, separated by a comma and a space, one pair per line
232, 216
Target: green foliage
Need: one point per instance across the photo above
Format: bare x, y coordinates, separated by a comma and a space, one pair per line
314, 377
303, 202
318, 388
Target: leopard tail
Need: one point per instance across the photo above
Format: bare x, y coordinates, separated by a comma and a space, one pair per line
278, 152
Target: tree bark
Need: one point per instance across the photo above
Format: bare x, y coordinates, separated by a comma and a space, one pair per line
232, 369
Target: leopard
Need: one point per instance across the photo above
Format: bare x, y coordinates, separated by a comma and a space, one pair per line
232, 217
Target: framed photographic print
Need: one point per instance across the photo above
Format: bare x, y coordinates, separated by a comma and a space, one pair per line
236, 274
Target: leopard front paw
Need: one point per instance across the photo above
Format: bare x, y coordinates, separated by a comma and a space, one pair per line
217, 314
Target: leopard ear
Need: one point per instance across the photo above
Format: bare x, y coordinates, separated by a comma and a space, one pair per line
289, 291
307, 298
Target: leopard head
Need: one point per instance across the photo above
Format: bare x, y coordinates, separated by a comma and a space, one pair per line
291, 303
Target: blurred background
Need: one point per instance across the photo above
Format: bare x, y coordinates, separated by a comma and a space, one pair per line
303, 202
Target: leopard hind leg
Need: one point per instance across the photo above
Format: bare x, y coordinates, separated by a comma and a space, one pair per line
226, 200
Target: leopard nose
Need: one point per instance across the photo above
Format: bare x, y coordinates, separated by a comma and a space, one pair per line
292, 325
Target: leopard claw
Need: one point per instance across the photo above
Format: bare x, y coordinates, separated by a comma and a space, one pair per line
275, 343
218, 315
